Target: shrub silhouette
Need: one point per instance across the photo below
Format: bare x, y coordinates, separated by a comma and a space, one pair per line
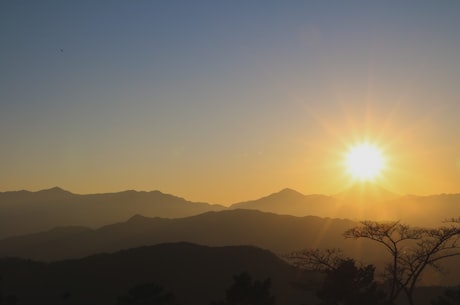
450, 297
146, 294
350, 285
245, 291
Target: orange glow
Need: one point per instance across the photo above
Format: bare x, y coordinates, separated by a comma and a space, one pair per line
364, 162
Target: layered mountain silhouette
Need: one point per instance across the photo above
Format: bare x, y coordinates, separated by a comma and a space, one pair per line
47, 209
194, 274
225, 227
278, 233
24, 212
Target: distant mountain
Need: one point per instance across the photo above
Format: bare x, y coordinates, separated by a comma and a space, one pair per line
291, 202
43, 210
425, 210
356, 203
373, 202
363, 201
277, 233
195, 274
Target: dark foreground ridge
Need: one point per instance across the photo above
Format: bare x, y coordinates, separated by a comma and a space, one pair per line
194, 274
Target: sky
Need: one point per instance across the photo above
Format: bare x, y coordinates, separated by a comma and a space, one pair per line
226, 101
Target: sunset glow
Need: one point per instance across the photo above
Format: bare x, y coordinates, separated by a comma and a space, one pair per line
364, 162
226, 101
154, 150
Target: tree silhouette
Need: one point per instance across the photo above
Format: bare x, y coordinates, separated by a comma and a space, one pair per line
245, 291
451, 297
412, 250
146, 294
317, 259
349, 284
344, 283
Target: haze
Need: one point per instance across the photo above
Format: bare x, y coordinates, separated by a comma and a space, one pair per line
227, 101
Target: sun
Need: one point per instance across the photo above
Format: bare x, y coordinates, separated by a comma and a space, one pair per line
364, 162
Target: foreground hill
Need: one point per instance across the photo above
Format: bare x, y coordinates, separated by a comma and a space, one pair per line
43, 210
195, 274
278, 233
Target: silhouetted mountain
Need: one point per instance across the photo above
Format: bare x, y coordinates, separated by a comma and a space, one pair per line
364, 201
356, 203
278, 233
290, 202
43, 210
195, 274
424, 211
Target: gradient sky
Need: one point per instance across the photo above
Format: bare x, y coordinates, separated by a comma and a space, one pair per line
224, 101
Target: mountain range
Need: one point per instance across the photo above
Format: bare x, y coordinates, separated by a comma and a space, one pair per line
47, 209
362, 202
280, 234
94, 247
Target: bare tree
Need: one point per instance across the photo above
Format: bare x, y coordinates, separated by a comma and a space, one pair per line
411, 250
345, 282
316, 259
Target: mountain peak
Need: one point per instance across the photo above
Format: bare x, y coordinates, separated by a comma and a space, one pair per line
286, 192
54, 190
139, 218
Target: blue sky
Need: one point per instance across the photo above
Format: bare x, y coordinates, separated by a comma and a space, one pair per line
226, 100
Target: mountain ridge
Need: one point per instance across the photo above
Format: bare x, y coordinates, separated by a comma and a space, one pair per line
45, 209
278, 233
196, 274
56, 207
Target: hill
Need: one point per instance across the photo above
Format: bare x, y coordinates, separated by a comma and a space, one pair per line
195, 274
46, 209
278, 233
